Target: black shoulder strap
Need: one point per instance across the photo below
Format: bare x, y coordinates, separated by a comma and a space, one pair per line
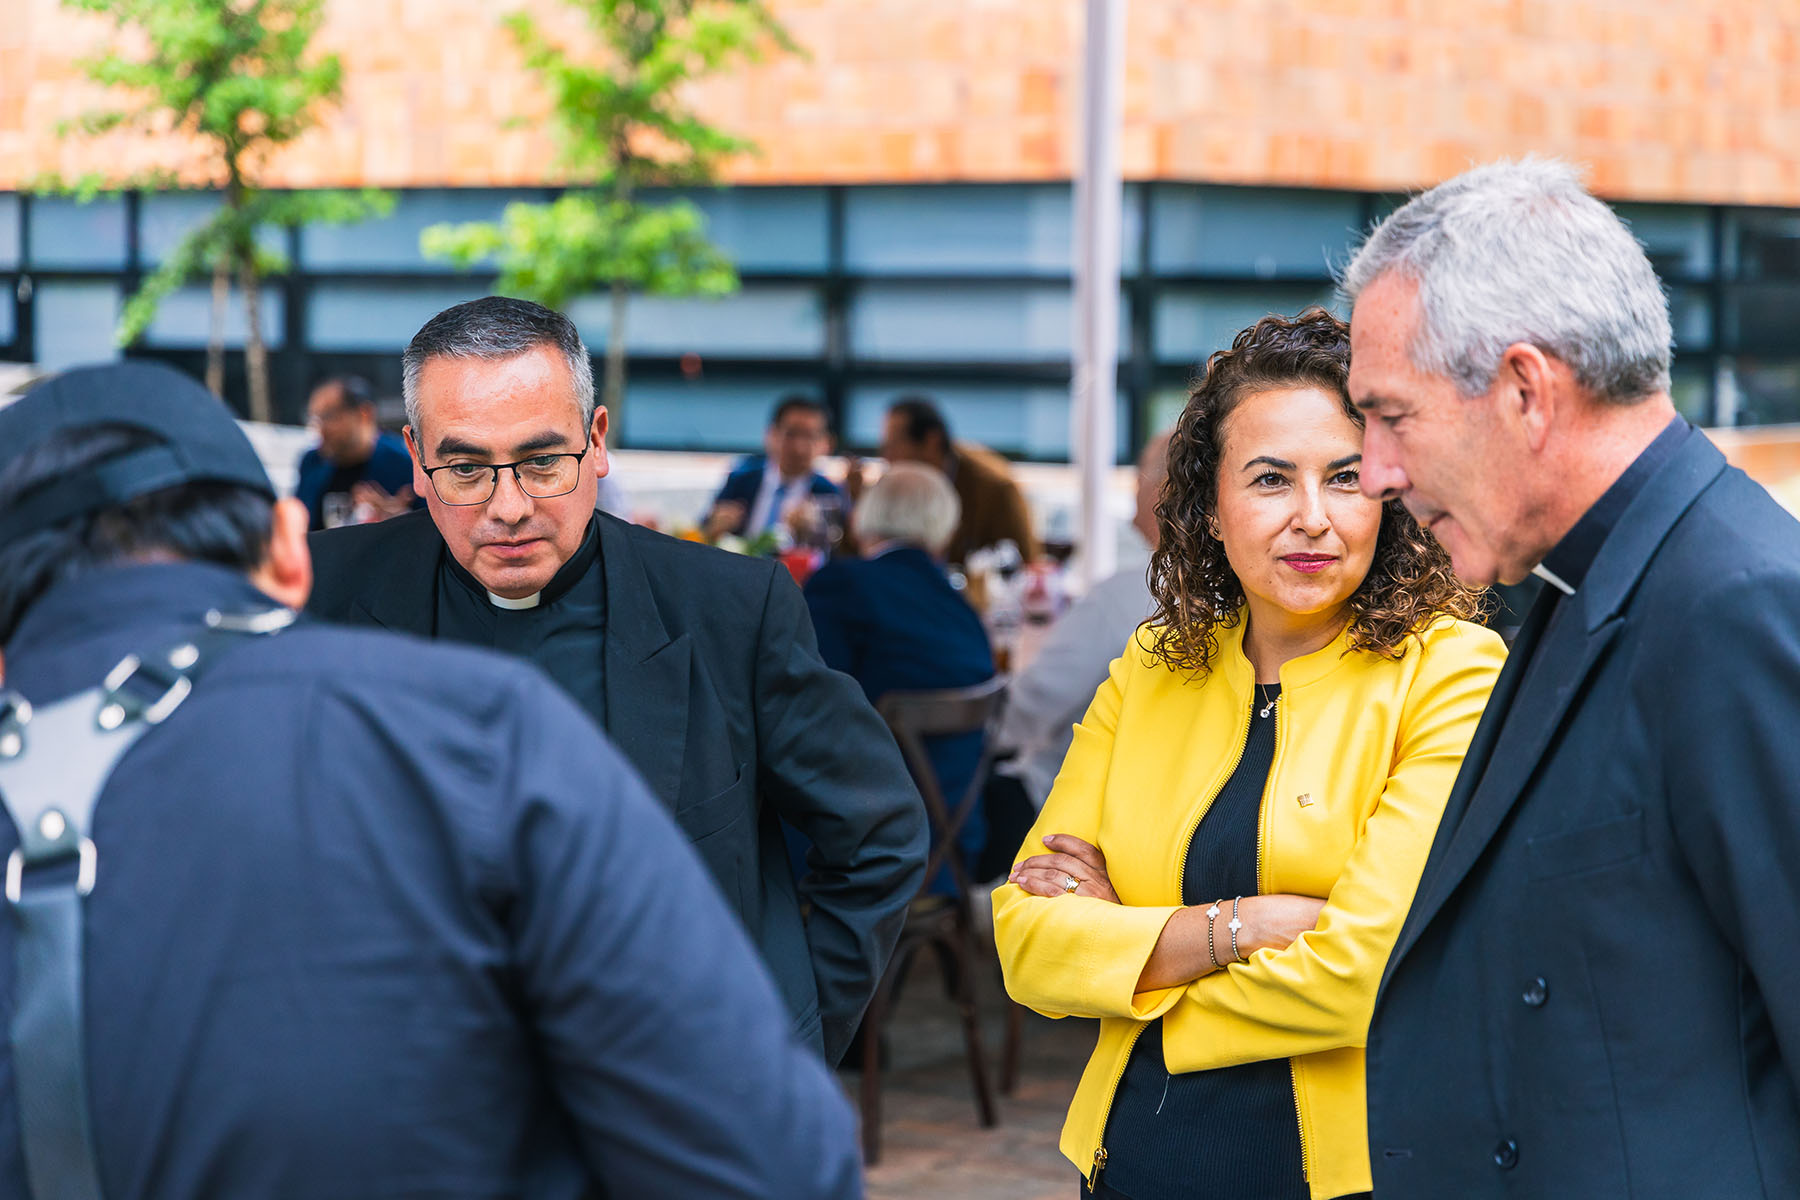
54, 764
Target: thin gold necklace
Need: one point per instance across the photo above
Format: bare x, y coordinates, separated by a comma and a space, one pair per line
1268, 700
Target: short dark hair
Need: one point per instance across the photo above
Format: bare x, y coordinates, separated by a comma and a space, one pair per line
922, 419
357, 392
496, 328
799, 402
221, 523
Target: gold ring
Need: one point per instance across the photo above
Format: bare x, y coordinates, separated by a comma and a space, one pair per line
1070, 883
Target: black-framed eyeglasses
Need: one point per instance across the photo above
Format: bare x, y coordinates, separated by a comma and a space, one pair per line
542, 477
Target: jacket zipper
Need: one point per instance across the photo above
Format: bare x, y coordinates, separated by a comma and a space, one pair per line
1262, 885
1099, 1164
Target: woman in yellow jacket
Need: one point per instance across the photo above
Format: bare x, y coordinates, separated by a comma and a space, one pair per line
1229, 851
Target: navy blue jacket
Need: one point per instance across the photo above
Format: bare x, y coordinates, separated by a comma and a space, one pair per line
894, 623
379, 918
745, 482
389, 468
1597, 991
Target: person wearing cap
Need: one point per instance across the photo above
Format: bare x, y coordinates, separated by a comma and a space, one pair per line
463, 953
702, 665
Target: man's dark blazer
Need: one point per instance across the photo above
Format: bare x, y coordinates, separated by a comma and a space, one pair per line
1597, 991
716, 693
743, 484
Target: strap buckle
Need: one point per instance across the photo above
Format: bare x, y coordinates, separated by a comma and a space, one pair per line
87, 863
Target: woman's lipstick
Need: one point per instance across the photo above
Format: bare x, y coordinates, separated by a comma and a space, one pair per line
1309, 564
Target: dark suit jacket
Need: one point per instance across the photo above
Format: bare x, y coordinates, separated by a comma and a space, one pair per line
1597, 992
716, 693
894, 623
744, 483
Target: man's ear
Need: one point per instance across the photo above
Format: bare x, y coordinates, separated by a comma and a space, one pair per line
1531, 387
597, 442
420, 481
285, 574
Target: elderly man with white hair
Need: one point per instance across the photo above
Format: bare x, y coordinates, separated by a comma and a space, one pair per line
1596, 992
891, 621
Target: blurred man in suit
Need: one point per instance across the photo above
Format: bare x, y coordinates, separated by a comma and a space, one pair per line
892, 622
1596, 992
776, 487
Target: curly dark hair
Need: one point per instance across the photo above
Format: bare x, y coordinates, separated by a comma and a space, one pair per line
1410, 583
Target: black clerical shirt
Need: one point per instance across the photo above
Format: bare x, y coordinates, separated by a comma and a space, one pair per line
562, 633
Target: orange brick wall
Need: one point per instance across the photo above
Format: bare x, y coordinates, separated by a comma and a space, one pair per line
1666, 99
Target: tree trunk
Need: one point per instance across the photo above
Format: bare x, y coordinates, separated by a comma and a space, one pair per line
256, 355
215, 337
613, 393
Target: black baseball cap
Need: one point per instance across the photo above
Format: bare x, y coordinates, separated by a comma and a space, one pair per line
197, 441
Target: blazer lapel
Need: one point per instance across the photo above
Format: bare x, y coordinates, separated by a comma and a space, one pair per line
404, 598
1502, 759
647, 671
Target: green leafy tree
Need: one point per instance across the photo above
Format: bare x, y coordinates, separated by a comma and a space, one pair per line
622, 126
227, 82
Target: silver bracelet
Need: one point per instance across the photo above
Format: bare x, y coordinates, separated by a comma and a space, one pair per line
1234, 926
1212, 914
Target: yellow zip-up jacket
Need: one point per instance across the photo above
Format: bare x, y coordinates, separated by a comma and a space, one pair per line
1366, 750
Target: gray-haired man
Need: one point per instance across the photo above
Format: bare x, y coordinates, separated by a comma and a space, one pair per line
701, 665
1596, 992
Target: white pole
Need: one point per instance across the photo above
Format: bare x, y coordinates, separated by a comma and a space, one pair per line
1099, 199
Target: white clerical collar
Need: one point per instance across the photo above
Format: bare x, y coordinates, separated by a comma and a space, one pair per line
523, 602
1553, 579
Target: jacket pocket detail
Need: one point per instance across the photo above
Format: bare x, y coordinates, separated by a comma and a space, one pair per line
1586, 849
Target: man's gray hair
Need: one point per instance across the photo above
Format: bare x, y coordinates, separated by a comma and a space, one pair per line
1520, 252
913, 503
496, 328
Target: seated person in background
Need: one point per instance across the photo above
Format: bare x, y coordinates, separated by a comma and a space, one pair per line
891, 621
1048, 697
993, 508
356, 473
756, 498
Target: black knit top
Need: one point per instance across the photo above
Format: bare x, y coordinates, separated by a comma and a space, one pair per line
1231, 1132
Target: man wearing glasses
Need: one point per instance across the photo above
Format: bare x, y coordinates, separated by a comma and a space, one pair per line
700, 664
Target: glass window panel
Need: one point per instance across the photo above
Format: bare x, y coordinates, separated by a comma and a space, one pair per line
9, 232
391, 243
773, 321
1678, 239
1131, 236
702, 414
68, 235
767, 229
164, 218
376, 317
1768, 391
958, 230
1190, 323
1024, 420
1691, 389
184, 318
1765, 243
1260, 232
8, 313
1690, 315
968, 322
1761, 317
74, 323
